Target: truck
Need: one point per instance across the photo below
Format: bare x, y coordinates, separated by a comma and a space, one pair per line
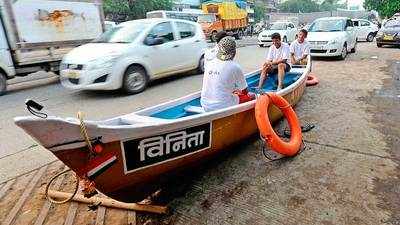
36, 34
223, 15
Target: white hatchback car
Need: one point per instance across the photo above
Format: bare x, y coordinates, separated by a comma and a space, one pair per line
332, 36
132, 53
365, 29
287, 30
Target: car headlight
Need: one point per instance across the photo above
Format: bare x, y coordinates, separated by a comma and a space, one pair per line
379, 34
103, 62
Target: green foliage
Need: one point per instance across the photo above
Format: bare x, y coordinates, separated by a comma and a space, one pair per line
330, 5
306, 6
134, 9
259, 12
295, 6
385, 8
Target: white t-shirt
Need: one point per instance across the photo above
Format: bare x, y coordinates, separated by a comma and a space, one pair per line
221, 79
300, 50
282, 52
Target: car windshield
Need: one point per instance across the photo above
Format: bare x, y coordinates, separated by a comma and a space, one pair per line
278, 26
327, 26
206, 19
122, 34
392, 23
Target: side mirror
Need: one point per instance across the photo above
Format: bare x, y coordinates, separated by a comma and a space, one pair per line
154, 41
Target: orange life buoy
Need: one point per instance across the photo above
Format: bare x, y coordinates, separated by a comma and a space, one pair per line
311, 80
290, 148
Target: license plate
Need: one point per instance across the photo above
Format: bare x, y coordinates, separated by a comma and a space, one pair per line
388, 38
72, 74
317, 47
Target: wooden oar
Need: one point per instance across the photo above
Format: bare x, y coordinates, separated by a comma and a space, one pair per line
110, 203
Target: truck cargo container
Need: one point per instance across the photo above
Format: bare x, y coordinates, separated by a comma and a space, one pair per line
36, 34
224, 15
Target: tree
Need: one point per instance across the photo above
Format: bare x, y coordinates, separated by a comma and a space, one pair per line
331, 5
385, 8
306, 6
133, 9
296, 6
259, 12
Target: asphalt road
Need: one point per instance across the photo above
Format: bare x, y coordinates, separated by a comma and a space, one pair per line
17, 146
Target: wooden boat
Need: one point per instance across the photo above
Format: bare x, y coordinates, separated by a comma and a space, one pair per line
143, 149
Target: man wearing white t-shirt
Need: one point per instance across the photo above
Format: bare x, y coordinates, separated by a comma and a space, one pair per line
224, 84
277, 61
300, 49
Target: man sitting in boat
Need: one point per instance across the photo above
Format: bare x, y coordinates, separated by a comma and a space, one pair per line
300, 49
224, 84
277, 61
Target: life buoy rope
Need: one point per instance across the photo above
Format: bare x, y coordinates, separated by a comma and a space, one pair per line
290, 148
46, 192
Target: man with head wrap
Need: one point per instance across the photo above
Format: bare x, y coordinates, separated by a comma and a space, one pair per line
212, 52
224, 84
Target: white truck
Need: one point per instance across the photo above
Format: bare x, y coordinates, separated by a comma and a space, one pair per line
36, 34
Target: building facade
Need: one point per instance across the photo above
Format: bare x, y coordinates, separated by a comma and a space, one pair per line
250, 11
179, 5
270, 5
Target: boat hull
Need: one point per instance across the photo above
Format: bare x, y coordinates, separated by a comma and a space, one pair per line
125, 181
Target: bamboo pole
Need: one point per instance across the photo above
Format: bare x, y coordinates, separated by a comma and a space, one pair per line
110, 203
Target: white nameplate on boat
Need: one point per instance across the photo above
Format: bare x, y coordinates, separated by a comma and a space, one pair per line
149, 151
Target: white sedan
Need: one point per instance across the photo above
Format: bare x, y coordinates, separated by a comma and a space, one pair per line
365, 29
332, 36
131, 54
287, 30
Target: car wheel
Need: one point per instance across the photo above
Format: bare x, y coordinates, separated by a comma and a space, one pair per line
3, 84
261, 45
135, 80
370, 37
285, 39
200, 68
344, 52
353, 50
379, 45
213, 36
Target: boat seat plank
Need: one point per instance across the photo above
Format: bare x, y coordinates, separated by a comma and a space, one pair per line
194, 109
